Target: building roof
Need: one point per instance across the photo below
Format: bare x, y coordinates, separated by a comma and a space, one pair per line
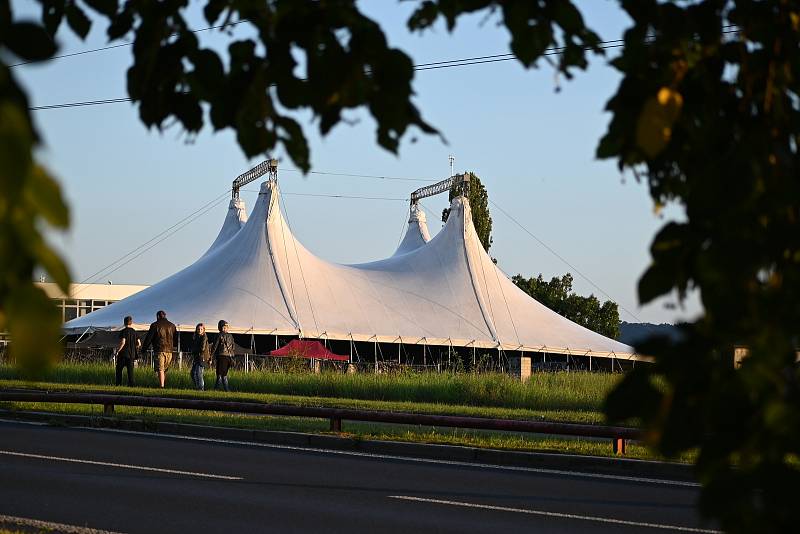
91, 291
440, 291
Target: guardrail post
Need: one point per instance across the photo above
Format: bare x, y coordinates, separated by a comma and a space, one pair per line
108, 409
336, 424
619, 445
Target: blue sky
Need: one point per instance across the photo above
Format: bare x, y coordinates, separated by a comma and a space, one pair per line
533, 148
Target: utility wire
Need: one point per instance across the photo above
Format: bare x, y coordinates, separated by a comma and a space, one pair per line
183, 223
345, 196
557, 255
111, 47
176, 230
333, 195
376, 177
204, 208
421, 67
463, 62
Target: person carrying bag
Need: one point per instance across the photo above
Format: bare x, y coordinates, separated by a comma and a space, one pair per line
223, 355
200, 355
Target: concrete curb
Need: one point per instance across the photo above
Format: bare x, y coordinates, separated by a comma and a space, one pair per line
564, 462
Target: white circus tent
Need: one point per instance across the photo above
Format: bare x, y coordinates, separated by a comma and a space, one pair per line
443, 290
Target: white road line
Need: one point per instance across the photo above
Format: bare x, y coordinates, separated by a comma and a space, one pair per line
540, 470
6, 520
121, 466
36, 423
560, 515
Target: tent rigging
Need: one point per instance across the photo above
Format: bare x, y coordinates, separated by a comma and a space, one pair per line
439, 291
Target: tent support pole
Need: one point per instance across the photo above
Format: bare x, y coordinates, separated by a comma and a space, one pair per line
376, 355
449, 351
81, 336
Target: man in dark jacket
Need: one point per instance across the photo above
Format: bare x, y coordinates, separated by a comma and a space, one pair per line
162, 335
127, 351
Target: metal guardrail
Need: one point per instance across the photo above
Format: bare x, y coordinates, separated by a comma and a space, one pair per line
618, 435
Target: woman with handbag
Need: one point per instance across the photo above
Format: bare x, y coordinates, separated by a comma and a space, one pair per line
200, 355
223, 354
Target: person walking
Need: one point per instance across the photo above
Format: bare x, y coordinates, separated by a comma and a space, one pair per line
127, 351
200, 355
223, 355
162, 336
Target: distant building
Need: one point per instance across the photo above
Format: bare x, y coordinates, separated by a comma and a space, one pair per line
83, 299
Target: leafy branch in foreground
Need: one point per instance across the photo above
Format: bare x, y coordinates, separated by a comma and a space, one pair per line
708, 113
30, 201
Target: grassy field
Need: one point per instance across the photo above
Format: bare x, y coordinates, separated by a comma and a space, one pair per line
567, 397
574, 391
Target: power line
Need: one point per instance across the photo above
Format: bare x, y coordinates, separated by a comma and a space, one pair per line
81, 104
111, 47
376, 177
464, 62
420, 67
557, 255
204, 209
183, 223
176, 230
331, 195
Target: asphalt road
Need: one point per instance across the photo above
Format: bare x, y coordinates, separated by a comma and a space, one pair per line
131, 482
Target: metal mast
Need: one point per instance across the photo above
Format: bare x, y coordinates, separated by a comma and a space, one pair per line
268, 166
461, 180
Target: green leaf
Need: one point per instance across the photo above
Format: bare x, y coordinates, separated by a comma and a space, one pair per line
44, 193
213, 10
104, 7
30, 41
51, 262
78, 20
295, 142
636, 384
655, 282
121, 24
208, 76
52, 15
16, 142
35, 327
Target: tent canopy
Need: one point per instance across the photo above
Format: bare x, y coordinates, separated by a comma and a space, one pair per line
304, 348
443, 291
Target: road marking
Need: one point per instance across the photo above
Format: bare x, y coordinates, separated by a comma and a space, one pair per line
560, 515
121, 466
36, 423
540, 470
6, 520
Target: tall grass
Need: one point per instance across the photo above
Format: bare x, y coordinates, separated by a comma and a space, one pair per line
576, 391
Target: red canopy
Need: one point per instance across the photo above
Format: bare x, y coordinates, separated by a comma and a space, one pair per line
301, 348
